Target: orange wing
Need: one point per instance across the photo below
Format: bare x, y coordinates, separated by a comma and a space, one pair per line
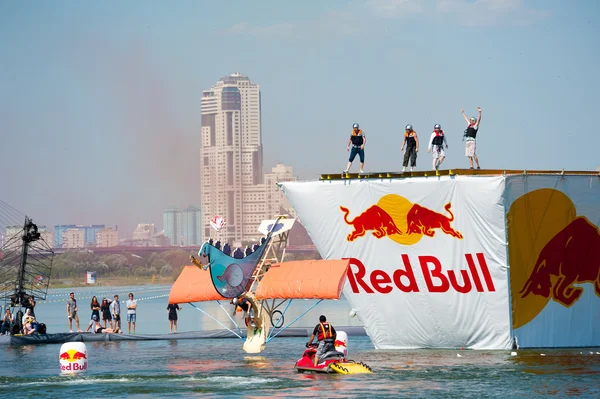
306, 279
193, 285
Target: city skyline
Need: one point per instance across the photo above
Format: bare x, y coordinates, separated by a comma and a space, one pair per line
106, 97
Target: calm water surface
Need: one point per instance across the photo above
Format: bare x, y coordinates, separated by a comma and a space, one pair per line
219, 367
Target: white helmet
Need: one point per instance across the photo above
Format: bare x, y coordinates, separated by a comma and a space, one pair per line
409, 128
235, 301
437, 126
355, 126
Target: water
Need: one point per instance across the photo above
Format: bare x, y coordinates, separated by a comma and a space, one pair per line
219, 368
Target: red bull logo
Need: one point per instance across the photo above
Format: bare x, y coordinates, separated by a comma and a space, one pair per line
375, 219
568, 258
551, 253
402, 221
436, 279
72, 360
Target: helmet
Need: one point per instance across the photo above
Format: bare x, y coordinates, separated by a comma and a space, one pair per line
355, 126
235, 301
408, 127
437, 126
473, 119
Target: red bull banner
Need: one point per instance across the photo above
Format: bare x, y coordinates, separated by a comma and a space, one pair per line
553, 241
428, 260
481, 262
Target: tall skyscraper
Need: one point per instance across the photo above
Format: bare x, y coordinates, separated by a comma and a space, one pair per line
191, 226
172, 225
231, 154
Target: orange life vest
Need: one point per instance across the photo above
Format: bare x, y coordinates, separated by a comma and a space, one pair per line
325, 331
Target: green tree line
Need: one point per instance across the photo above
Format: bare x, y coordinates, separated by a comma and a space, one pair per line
164, 264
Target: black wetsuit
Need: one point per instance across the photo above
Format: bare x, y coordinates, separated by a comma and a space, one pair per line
411, 151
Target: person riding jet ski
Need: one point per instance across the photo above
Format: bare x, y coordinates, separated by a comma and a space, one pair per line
325, 335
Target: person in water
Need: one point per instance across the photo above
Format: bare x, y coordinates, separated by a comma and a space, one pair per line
412, 147
326, 336
470, 135
436, 143
357, 140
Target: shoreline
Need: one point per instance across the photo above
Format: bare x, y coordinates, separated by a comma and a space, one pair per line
113, 282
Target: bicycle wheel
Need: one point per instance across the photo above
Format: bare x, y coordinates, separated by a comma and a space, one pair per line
277, 319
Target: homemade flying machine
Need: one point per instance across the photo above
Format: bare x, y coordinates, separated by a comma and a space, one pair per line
263, 278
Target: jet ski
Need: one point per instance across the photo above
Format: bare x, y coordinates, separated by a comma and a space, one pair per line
334, 361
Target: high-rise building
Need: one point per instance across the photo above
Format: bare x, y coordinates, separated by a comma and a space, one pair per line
172, 225
231, 154
107, 238
144, 232
274, 196
191, 226
89, 232
73, 238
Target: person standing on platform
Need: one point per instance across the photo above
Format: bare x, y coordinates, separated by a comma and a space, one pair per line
72, 312
116, 311
357, 140
412, 147
436, 143
172, 308
470, 135
131, 313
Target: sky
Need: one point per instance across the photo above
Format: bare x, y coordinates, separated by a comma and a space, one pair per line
100, 101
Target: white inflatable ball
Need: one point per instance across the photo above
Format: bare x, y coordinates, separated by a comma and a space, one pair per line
73, 357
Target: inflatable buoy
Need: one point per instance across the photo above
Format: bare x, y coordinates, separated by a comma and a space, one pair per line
73, 357
341, 342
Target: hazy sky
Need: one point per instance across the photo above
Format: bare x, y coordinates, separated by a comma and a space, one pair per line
100, 100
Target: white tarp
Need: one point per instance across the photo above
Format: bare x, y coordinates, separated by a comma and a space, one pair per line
553, 240
431, 279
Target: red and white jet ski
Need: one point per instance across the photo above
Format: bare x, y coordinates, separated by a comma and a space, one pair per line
334, 361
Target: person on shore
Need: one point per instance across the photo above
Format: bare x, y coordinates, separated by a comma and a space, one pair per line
357, 140
115, 307
326, 335
97, 328
72, 312
131, 313
436, 143
95, 306
412, 147
172, 309
470, 135
106, 316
